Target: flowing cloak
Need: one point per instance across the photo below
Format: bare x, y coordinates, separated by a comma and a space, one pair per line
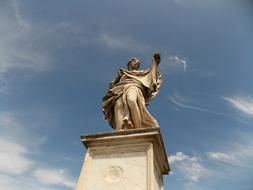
147, 83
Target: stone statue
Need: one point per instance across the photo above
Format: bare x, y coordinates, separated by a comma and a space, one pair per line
124, 104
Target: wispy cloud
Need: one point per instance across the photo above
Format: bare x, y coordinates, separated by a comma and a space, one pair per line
13, 158
21, 21
27, 44
18, 45
17, 42
201, 109
19, 158
240, 153
180, 156
19, 182
234, 160
174, 63
121, 42
222, 157
178, 61
235, 157
190, 167
18, 130
54, 177
243, 104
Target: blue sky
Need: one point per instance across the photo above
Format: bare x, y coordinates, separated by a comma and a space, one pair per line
57, 58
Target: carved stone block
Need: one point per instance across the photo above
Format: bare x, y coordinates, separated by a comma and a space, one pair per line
126, 160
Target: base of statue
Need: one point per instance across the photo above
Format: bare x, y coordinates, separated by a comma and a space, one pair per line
124, 160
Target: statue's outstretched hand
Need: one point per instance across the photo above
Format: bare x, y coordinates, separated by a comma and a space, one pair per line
157, 57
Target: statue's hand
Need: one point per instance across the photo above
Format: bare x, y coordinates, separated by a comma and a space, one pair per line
157, 58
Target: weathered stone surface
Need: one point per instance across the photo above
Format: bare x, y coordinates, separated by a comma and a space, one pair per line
126, 160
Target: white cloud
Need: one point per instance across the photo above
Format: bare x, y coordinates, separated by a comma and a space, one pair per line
190, 167
21, 182
178, 61
20, 164
237, 155
19, 131
240, 153
181, 157
13, 158
191, 170
18, 45
174, 64
54, 177
194, 171
223, 157
17, 42
244, 155
243, 104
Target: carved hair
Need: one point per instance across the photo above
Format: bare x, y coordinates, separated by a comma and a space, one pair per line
129, 61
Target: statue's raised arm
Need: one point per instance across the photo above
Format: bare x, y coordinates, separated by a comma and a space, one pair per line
124, 104
156, 76
155, 61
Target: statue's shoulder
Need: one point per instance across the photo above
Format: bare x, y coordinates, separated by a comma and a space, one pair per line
122, 70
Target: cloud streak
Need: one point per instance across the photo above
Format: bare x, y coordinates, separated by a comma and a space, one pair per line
173, 100
222, 157
235, 159
243, 104
54, 177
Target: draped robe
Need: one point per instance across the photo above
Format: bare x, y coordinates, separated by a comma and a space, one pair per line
145, 83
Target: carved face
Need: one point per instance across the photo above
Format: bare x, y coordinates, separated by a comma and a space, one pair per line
134, 64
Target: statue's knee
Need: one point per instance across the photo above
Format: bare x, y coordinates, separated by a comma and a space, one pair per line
118, 105
131, 102
131, 94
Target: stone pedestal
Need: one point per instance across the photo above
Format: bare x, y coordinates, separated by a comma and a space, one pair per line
124, 160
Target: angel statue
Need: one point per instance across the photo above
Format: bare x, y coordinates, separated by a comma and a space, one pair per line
124, 106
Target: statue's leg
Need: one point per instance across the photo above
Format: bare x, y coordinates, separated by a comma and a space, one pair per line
119, 113
132, 102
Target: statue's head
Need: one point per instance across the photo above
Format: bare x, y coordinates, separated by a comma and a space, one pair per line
133, 64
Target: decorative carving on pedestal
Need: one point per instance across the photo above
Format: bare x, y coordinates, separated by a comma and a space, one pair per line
113, 174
